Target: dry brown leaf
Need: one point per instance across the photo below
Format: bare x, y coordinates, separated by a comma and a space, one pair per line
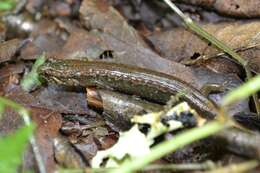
180, 44
238, 8
99, 15
9, 48
60, 100
42, 43
48, 124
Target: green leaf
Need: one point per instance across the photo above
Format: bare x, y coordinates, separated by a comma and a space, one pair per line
32, 80
12, 148
6, 5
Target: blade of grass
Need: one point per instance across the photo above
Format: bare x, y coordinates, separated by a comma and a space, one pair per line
219, 44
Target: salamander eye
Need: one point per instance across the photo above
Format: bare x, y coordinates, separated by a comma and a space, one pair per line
107, 54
